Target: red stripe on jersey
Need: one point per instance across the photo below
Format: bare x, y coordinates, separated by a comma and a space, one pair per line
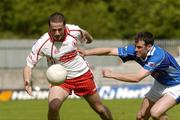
68, 56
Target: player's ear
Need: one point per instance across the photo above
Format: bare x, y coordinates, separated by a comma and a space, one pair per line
149, 46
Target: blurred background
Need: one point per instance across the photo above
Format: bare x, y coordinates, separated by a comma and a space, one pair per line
112, 23
104, 19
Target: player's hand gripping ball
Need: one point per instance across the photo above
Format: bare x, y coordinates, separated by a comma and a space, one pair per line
56, 74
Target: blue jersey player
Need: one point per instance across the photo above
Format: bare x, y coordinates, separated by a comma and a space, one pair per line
155, 61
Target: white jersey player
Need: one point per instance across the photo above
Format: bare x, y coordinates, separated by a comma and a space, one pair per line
64, 52
59, 46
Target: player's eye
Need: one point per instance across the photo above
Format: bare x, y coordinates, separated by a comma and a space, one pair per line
60, 29
55, 30
138, 47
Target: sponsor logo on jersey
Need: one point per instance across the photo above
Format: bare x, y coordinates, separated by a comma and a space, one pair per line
151, 64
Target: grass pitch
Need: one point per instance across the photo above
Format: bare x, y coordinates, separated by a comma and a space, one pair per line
76, 109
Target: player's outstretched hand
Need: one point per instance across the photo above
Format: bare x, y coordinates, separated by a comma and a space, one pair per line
28, 87
106, 73
81, 52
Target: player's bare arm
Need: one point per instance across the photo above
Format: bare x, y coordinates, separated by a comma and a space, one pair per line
126, 77
27, 71
101, 51
87, 36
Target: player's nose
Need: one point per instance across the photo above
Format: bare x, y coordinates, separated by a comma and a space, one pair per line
57, 33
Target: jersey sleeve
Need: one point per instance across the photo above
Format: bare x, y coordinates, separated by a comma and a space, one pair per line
35, 55
127, 53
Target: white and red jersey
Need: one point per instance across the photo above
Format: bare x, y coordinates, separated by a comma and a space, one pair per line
62, 52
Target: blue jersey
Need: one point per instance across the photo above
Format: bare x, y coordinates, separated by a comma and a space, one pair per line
160, 63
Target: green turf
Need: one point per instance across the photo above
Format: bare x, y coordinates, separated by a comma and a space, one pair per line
76, 109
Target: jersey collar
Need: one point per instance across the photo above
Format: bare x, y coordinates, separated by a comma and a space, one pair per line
151, 52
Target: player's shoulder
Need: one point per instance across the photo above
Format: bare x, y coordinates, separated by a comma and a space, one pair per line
130, 48
156, 54
127, 50
72, 27
157, 51
42, 39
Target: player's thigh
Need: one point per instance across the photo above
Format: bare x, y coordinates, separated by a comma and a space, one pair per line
94, 99
164, 104
57, 92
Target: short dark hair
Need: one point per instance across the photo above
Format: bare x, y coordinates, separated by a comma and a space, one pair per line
57, 17
147, 37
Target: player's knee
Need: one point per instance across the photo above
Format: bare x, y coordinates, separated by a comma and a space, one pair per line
104, 112
164, 117
100, 108
54, 105
155, 114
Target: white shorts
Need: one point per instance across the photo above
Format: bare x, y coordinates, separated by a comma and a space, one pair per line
158, 90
